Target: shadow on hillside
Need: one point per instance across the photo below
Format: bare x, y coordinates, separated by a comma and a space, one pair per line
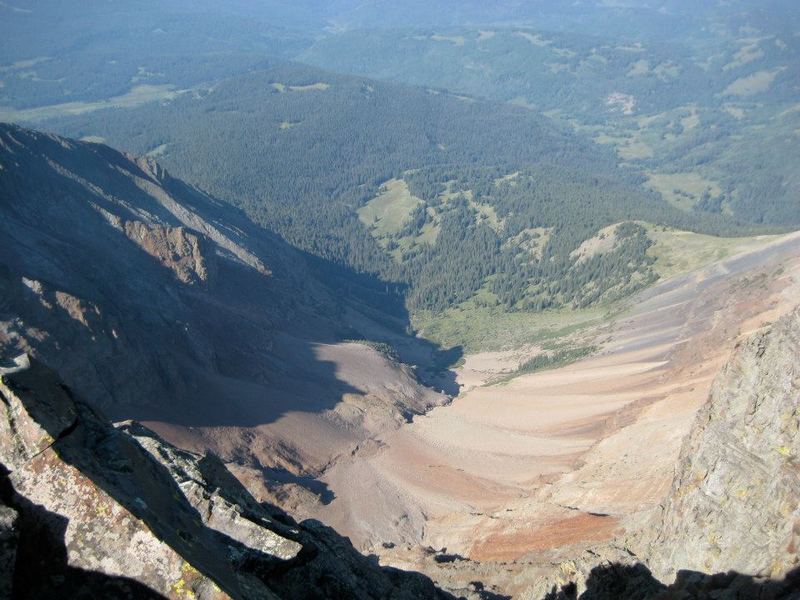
364, 306
236, 349
383, 303
267, 341
315, 486
636, 582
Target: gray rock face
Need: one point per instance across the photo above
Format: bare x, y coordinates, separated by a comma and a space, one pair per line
735, 501
89, 510
212, 491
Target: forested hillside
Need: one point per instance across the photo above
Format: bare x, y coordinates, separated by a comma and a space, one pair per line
596, 115
310, 154
56, 52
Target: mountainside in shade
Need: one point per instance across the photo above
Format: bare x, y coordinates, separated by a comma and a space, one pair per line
87, 510
156, 302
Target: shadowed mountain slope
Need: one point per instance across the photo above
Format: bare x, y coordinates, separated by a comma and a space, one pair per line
156, 302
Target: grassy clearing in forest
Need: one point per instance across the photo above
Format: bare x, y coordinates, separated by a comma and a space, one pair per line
682, 251
312, 87
751, 85
683, 190
138, 95
480, 328
387, 213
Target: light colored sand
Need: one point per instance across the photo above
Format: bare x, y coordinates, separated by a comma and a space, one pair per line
480, 368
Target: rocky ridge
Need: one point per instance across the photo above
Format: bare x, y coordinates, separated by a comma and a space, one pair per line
92, 510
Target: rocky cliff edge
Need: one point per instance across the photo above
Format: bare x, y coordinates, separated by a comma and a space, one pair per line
88, 509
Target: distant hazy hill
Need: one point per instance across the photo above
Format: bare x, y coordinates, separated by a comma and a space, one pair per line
710, 113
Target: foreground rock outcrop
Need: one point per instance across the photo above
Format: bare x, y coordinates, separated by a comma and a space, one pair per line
735, 500
90, 510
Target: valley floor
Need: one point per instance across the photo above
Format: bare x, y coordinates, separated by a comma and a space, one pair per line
548, 464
